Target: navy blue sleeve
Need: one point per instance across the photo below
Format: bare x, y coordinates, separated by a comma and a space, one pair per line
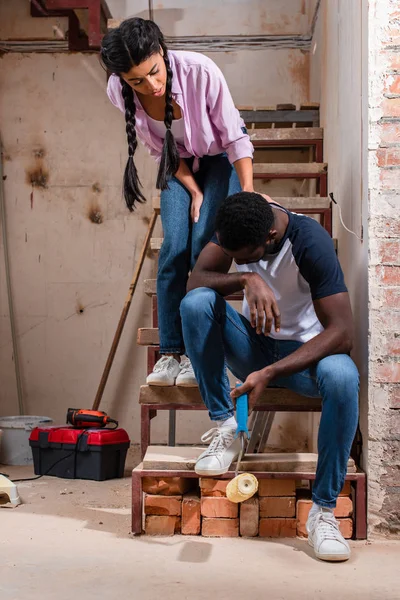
316, 258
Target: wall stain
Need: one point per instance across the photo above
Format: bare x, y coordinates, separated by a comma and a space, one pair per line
39, 153
146, 220
94, 214
96, 188
80, 309
38, 177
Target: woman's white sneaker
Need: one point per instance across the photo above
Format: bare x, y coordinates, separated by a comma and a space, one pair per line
220, 454
325, 537
186, 377
165, 372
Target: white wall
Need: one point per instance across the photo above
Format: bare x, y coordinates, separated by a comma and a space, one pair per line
338, 78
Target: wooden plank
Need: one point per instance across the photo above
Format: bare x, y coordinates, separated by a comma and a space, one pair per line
296, 169
155, 243
150, 288
285, 107
147, 336
179, 396
280, 116
281, 135
183, 458
309, 105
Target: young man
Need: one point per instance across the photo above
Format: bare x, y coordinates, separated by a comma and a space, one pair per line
296, 332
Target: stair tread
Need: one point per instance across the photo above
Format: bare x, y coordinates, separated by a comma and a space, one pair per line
290, 168
280, 398
184, 458
281, 134
290, 202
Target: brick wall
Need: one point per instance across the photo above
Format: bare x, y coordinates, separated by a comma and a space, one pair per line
384, 266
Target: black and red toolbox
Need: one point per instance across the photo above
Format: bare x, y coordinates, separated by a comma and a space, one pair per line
72, 453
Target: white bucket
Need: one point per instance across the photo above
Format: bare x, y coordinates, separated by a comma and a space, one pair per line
15, 449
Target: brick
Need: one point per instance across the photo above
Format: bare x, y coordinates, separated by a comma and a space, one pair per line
392, 346
344, 509
220, 527
214, 507
345, 526
213, 487
249, 517
391, 107
391, 297
389, 132
386, 372
277, 528
346, 491
163, 505
388, 275
388, 157
389, 251
168, 486
394, 397
277, 507
162, 525
191, 519
392, 83
276, 487
389, 178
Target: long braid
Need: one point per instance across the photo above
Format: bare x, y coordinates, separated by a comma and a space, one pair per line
169, 163
132, 185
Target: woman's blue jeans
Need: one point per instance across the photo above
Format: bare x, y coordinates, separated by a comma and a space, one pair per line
184, 240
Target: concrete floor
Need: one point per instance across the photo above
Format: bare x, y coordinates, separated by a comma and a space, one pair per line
70, 539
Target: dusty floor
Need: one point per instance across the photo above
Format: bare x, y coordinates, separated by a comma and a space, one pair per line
70, 539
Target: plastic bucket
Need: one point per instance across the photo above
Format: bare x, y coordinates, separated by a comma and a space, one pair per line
15, 449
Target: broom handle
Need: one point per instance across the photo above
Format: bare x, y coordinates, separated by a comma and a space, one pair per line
124, 314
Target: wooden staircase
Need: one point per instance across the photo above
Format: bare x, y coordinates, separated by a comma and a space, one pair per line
264, 133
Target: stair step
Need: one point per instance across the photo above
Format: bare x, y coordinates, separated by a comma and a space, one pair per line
156, 243
275, 399
183, 458
288, 170
286, 135
150, 288
289, 202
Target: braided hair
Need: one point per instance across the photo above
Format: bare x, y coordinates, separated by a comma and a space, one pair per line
133, 42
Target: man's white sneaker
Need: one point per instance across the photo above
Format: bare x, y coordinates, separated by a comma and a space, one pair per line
186, 377
221, 452
165, 372
325, 537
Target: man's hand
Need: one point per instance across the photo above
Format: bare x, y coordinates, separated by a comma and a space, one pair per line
197, 201
254, 386
262, 303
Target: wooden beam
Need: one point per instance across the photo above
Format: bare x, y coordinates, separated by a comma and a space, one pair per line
281, 399
184, 458
296, 134
296, 169
156, 243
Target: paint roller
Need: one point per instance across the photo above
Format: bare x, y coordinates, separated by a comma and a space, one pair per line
245, 485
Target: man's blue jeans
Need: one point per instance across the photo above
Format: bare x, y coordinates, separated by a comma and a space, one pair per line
184, 240
217, 336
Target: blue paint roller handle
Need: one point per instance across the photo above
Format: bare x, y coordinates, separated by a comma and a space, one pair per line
242, 413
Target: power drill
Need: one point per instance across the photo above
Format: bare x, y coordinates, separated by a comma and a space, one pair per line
84, 419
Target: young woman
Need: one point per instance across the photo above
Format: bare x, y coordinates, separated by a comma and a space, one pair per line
179, 105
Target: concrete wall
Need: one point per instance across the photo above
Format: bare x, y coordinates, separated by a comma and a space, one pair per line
65, 151
246, 17
384, 267
338, 79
